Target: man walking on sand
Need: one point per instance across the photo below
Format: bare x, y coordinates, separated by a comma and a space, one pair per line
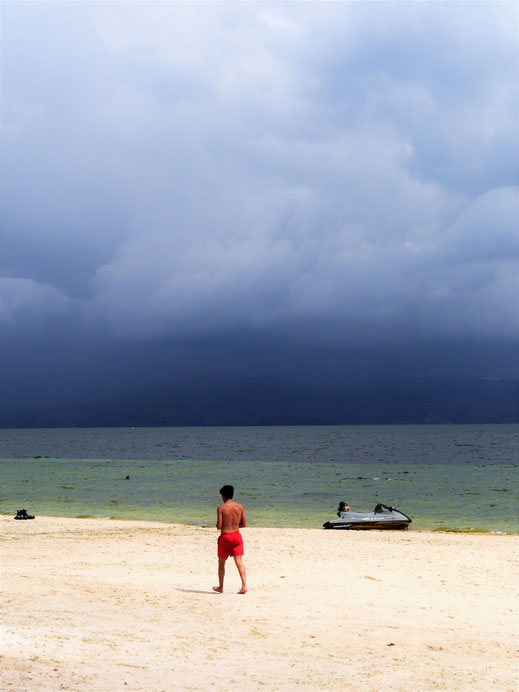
229, 517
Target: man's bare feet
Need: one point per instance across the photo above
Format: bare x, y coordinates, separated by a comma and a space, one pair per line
242, 590
218, 589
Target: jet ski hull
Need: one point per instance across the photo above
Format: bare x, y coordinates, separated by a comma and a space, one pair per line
383, 517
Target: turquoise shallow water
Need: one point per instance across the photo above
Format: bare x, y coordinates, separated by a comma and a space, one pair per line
444, 477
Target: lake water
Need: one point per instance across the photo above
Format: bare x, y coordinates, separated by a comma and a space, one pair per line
453, 477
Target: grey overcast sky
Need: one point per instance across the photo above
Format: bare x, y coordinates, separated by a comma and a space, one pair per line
313, 190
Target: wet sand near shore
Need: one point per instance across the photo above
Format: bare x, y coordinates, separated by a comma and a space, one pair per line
128, 605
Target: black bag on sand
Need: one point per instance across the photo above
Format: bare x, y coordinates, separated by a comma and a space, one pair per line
22, 514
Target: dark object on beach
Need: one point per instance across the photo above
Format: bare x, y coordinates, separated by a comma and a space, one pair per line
22, 514
383, 517
127, 478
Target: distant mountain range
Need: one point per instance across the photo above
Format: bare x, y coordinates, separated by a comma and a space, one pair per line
271, 401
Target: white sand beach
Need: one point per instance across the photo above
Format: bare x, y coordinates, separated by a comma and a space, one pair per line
116, 605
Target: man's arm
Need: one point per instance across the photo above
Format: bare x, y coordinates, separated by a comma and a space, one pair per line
243, 520
219, 517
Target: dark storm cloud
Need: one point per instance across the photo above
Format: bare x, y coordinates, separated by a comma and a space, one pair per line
338, 172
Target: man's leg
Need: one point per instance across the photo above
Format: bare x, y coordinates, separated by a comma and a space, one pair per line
241, 570
221, 575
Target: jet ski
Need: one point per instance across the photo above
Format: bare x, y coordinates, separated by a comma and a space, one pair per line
383, 517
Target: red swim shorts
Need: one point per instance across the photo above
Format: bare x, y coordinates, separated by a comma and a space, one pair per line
230, 544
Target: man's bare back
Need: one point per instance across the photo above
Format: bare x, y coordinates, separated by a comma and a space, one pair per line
230, 517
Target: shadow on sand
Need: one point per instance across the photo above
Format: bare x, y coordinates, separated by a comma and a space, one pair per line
195, 591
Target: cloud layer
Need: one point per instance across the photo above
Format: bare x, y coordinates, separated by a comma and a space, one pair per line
336, 171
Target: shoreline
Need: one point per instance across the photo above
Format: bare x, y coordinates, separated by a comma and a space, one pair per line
410, 529
97, 604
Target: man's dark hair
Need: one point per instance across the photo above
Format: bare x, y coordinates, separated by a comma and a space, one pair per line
227, 491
